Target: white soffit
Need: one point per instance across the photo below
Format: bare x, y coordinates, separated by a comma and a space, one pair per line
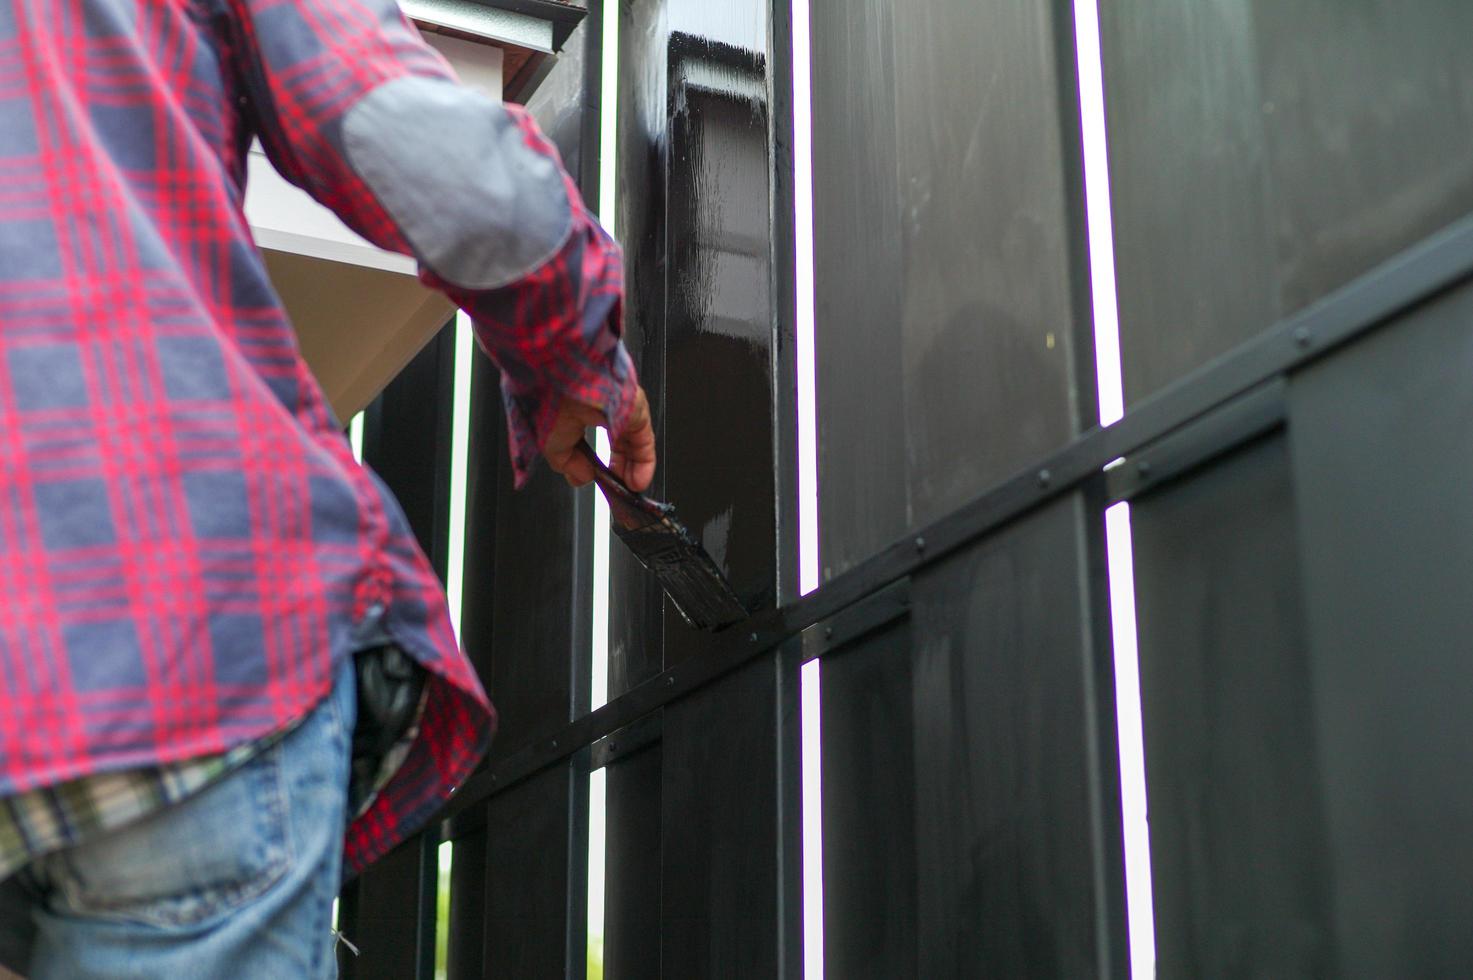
522, 30
478, 65
286, 218
360, 312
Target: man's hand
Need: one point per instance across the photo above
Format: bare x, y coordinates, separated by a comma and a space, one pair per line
634, 449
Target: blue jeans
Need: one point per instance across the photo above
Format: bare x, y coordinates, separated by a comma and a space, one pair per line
235, 882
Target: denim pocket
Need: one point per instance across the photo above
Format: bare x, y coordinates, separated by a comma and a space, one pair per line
188, 863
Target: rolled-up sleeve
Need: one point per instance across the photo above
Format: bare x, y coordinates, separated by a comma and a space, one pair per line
353, 107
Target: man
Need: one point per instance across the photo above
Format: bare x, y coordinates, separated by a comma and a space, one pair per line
203, 599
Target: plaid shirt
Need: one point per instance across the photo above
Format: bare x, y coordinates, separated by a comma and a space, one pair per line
187, 547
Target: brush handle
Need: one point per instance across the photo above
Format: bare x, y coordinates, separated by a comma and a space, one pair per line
631, 510
605, 477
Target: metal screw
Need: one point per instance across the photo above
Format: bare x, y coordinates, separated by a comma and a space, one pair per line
554, 743
1044, 478
493, 777
669, 682
1144, 469
1302, 336
828, 632
920, 544
752, 637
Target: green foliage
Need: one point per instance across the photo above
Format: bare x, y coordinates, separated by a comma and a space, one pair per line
442, 912
595, 958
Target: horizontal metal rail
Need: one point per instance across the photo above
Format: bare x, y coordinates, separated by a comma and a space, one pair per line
1412, 277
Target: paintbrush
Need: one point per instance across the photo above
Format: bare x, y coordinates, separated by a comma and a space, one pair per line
663, 545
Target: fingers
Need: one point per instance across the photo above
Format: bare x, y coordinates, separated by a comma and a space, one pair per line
573, 467
567, 431
634, 461
633, 456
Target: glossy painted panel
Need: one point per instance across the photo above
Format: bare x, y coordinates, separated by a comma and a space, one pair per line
636, 617
693, 216
720, 817
719, 339
636, 605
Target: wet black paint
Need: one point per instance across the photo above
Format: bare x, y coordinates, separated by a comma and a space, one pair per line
694, 216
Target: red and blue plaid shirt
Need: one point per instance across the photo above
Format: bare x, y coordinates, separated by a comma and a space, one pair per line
186, 544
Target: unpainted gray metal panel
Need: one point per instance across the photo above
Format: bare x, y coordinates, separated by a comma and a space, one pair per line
858, 242
869, 831
1240, 871
527, 879
1263, 153
1369, 112
1190, 187
963, 824
1382, 445
945, 290
720, 816
1007, 820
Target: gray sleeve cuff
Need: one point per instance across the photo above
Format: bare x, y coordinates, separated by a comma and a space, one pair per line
478, 205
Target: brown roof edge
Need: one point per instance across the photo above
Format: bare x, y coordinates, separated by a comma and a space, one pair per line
523, 69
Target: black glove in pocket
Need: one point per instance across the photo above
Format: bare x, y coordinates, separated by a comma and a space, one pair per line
390, 688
